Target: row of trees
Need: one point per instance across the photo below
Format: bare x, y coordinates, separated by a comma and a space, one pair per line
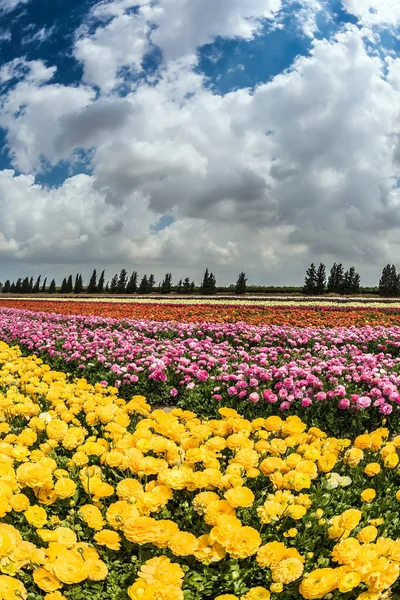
338, 282
316, 283
121, 283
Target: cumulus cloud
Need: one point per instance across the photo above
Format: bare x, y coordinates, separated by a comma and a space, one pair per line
374, 12
176, 27
302, 168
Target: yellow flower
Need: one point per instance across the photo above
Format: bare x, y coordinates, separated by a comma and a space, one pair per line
353, 457
368, 495
245, 542
216, 509
296, 511
45, 580
92, 516
367, 534
287, 570
391, 460
65, 488
372, 469
327, 462
54, 596
349, 581
382, 574
97, 569
271, 554
318, 583
276, 588
240, 497
140, 530
346, 550
36, 516
19, 502
163, 532
350, 518
107, 537
161, 570
182, 543
141, 590
256, 593
12, 589
291, 533
70, 568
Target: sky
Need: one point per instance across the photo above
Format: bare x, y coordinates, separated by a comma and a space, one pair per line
174, 135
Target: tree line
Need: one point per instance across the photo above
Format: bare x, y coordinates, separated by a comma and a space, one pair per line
339, 281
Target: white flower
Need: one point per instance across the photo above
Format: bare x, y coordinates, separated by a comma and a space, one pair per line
345, 481
46, 417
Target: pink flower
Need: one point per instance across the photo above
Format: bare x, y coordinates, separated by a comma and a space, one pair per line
217, 397
385, 409
344, 403
364, 402
320, 396
254, 397
306, 402
284, 405
173, 392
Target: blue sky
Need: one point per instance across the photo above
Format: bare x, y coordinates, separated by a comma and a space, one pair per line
169, 135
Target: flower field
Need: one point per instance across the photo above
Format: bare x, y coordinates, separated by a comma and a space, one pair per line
272, 312
275, 475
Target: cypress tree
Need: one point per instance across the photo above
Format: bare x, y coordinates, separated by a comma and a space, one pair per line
36, 287
144, 285
355, 284
212, 284
186, 286
107, 288
78, 287
389, 282
320, 279
44, 285
113, 284
166, 286
310, 281
18, 286
192, 287
100, 285
24, 288
121, 285
205, 283
92, 286
70, 286
179, 287
30, 286
131, 287
52, 286
12, 288
63, 287
151, 283
241, 284
6, 287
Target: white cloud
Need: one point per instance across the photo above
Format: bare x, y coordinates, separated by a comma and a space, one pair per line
9, 5
184, 25
31, 112
177, 27
319, 186
121, 43
374, 12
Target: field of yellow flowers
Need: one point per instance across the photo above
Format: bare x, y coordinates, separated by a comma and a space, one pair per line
103, 499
